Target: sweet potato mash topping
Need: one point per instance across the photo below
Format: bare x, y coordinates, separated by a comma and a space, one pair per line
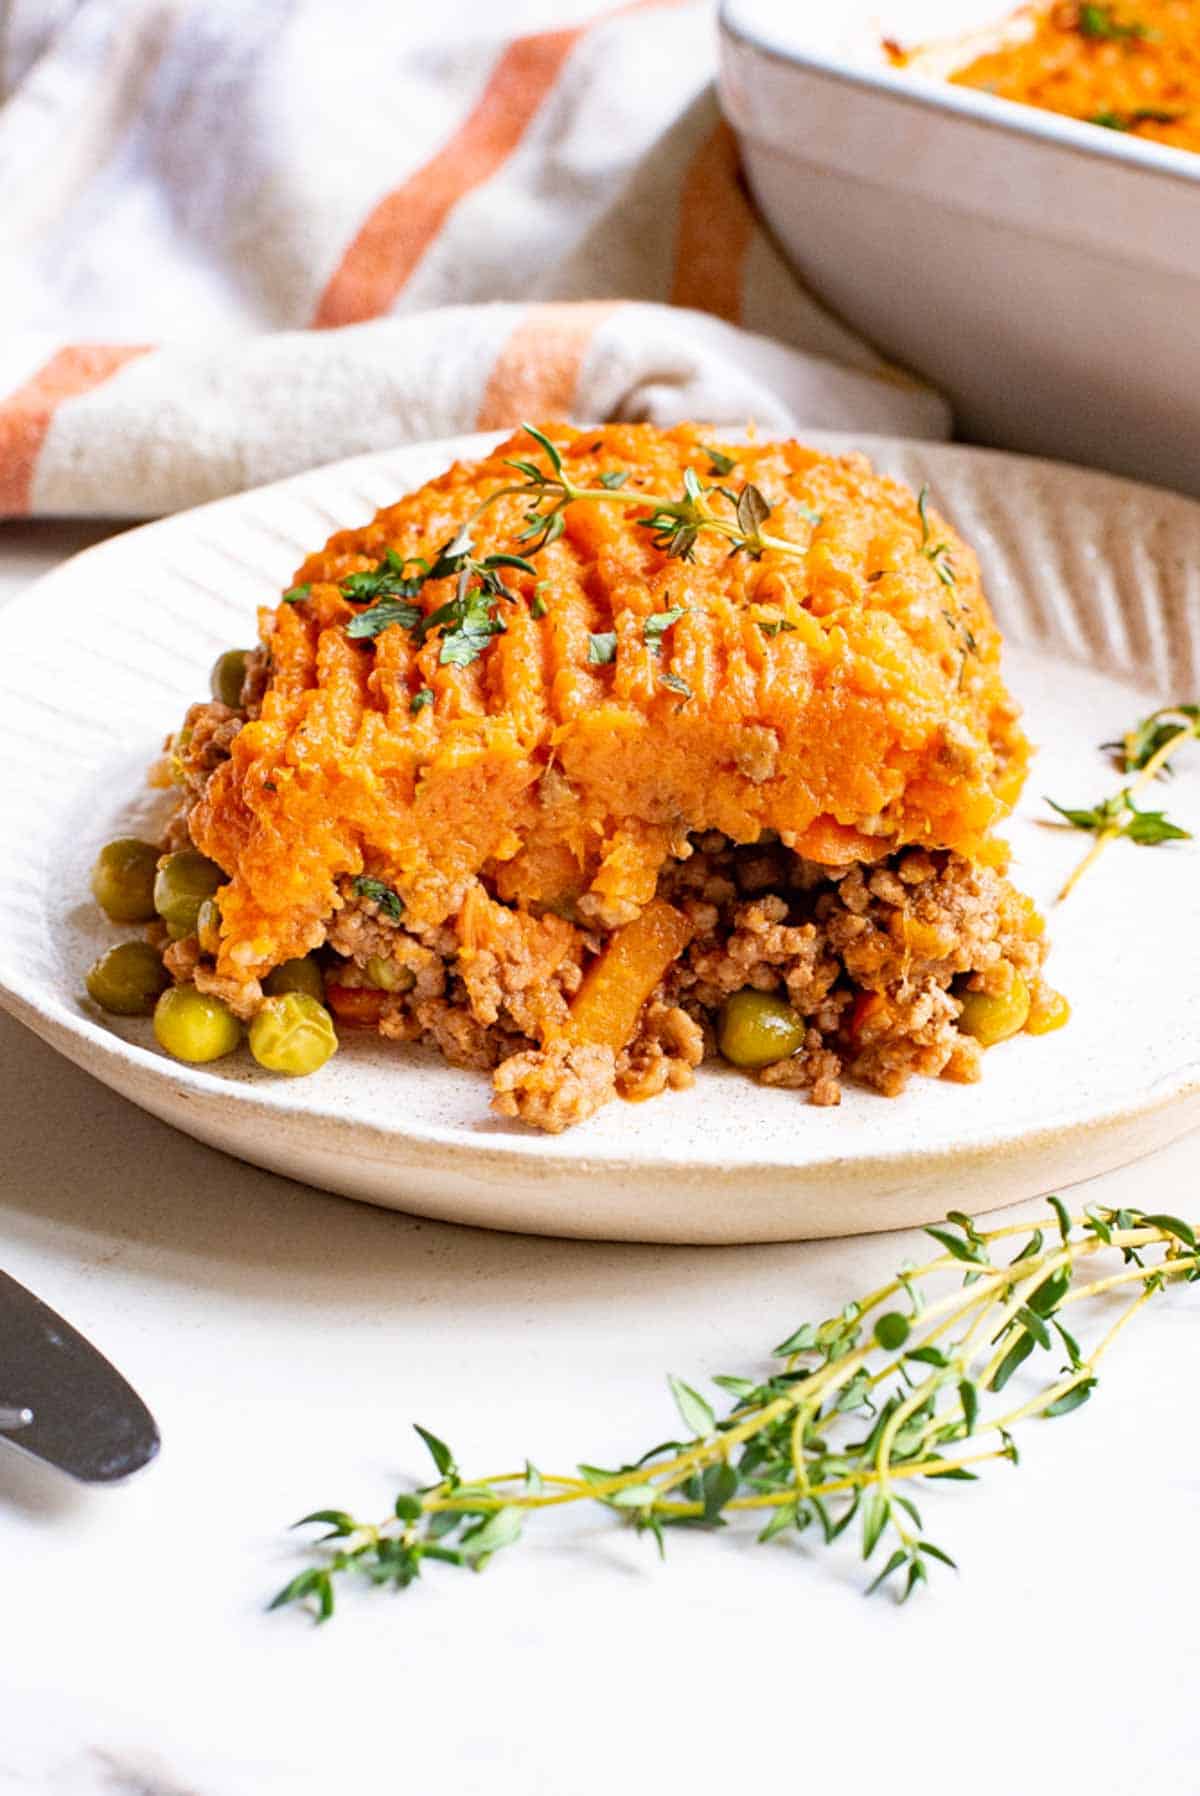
558, 730
1132, 66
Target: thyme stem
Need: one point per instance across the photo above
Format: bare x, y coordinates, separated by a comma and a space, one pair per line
783, 1449
1153, 767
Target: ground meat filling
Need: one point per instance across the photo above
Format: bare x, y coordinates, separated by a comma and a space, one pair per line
873, 958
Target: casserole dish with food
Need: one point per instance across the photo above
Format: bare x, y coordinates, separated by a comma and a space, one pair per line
1042, 270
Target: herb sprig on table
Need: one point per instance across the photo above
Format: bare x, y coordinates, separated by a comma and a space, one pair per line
1146, 751
900, 1388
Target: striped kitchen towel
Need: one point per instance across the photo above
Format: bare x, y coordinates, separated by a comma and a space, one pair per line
242, 237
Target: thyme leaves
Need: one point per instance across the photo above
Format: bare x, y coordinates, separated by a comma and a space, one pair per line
468, 621
937, 553
658, 623
376, 891
901, 1387
1145, 750
1100, 23
1129, 121
1119, 816
389, 592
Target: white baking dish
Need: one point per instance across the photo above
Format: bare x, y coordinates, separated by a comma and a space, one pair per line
1043, 272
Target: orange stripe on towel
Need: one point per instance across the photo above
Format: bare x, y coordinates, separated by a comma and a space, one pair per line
714, 232
27, 414
537, 371
382, 257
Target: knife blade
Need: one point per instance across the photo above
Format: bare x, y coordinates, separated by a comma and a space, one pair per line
61, 1400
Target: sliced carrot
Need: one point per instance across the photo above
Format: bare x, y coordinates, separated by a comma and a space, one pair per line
615, 987
835, 844
356, 1006
867, 1006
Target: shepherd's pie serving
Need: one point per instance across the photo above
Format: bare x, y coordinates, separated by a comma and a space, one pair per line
611, 748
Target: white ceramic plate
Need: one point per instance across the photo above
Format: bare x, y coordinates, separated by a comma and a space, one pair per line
1097, 585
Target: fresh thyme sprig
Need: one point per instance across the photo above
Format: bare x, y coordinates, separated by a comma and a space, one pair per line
674, 523
1146, 750
472, 617
901, 1385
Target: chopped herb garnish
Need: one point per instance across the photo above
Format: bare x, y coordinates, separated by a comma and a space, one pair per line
614, 479
537, 606
296, 595
896, 1391
719, 463
602, 647
657, 625
1100, 22
774, 626
676, 683
390, 903
468, 622
1129, 121
390, 578
752, 513
937, 553
381, 616
420, 699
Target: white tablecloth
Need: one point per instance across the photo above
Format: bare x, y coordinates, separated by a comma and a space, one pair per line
286, 1339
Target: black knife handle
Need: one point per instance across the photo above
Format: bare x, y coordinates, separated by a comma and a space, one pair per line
86, 1419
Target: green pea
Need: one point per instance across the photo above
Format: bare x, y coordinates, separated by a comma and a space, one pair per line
387, 976
225, 681
123, 880
183, 882
991, 1017
292, 1034
128, 980
193, 1026
757, 1029
208, 926
302, 975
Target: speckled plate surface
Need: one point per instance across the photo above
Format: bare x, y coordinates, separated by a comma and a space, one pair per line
1096, 583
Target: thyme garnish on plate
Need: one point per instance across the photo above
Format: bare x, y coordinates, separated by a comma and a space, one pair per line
902, 1385
469, 620
1146, 751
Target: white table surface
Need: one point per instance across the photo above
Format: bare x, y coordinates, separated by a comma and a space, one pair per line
285, 1339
